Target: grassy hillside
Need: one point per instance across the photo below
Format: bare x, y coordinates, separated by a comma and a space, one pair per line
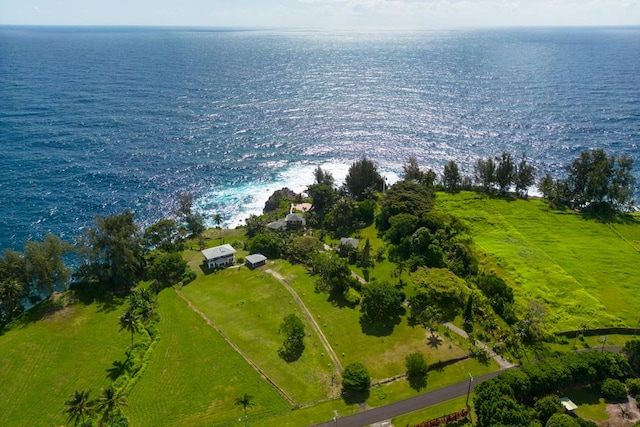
57, 348
194, 376
583, 270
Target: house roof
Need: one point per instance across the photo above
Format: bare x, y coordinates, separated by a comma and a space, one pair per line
294, 217
349, 241
255, 258
218, 252
277, 225
568, 404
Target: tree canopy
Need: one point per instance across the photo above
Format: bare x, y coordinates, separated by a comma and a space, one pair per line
362, 179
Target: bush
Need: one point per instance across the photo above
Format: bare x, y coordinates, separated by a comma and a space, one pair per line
351, 296
634, 385
188, 276
356, 378
547, 407
562, 420
613, 390
417, 370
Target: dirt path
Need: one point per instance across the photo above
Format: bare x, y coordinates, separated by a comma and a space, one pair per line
236, 348
504, 364
323, 338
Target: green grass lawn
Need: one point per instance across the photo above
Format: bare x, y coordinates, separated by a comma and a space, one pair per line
249, 307
581, 269
49, 354
194, 376
381, 350
432, 412
590, 404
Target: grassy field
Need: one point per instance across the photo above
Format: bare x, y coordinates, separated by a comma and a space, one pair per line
52, 352
381, 350
194, 376
432, 412
582, 270
249, 306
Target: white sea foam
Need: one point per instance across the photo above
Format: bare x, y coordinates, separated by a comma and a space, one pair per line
236, 203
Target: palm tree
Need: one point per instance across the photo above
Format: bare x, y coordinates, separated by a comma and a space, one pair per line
110, 402
246, 402
79, 407
129, 321
217, 218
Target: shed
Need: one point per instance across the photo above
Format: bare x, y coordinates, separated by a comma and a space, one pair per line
295, 220
219, 256
349, 241
277, 225
568, 404
255, 260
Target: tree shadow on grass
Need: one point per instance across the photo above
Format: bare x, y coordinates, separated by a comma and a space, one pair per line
116, 370
588, 395
355, 397
417, 382
379, 327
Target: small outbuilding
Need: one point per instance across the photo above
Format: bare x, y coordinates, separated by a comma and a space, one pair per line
295, 220
568, 404
277, 225
349, 241
255, 260
219, 256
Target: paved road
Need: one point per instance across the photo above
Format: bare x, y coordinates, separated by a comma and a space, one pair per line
387, 412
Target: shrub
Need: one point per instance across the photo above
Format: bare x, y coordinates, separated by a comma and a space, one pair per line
417, 370
356, 378
613, 390
547, 407
351, 296
562, 420
634, 385
188, 276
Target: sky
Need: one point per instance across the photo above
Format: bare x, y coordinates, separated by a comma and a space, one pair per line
392, 14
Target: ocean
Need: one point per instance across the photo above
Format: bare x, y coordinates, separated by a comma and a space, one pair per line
94, 120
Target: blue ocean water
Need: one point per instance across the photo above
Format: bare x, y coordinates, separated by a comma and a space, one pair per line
98, 120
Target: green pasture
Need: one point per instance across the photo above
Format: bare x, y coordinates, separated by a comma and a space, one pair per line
590, 404
249, 307
382, 349
55, 349
584, 271
194, 376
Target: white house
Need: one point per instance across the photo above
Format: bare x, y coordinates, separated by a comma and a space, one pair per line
220, 256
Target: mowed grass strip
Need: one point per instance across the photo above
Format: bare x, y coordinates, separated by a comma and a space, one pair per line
249, 307
581, 269
381, 350
44, 360
194, 376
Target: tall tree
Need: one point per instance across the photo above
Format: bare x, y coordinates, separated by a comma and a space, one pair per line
79, 407
217, 218
525, 177
110, 402
323, 177
195, 224
130, 320
164, 235
44, 263
113, 252
451, 179
246, 401
485, 173
381, 301
363, 177
323, 196
185, 204
167, 269
11, 294
412, 170
293, 344
505, 171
